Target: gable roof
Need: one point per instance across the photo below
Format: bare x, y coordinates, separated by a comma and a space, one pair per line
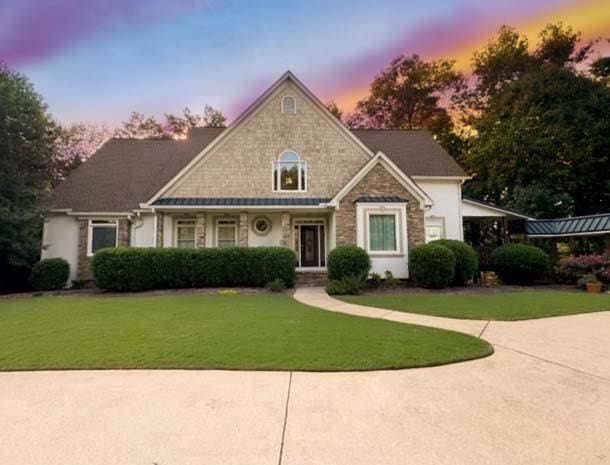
381, 159
125, 172
251, 110
416, 153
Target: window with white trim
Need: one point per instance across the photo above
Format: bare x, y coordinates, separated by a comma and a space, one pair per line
435, 228
382, 232
185, 234
102, 234
226, 233
289, 105
289, 173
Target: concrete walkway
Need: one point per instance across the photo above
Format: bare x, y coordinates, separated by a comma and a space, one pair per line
317, 297
542, 399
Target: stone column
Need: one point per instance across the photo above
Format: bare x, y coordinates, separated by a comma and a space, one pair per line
285, 240
200, 231
83, 272
159, 238
243, 229
123, 233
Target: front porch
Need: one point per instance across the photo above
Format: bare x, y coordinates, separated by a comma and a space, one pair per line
309, 232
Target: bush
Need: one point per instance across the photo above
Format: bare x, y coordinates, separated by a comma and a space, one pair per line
571, 269
432, 265
520, 263
466, 260
347, 285
277, 285
50, 274
139, 269
348, 260
390, 280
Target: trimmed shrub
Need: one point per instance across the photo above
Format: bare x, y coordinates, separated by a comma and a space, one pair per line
50, 274
466, 260
432, 265
351, 284
140, 269
571, 269
520, 263
348, 260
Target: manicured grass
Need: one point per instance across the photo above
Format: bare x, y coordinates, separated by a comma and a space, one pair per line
508, 306
231, 332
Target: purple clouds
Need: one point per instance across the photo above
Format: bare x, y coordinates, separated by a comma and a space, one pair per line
31, 30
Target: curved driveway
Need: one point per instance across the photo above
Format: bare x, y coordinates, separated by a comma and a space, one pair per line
542, 398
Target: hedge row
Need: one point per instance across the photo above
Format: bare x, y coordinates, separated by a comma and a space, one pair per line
140, 269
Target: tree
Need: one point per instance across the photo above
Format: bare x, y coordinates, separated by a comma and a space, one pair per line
139, 126
77, 142
27, 160
334, 109
600, 69
543, 145
408, 94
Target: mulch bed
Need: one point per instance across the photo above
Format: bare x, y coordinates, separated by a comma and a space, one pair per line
468, 290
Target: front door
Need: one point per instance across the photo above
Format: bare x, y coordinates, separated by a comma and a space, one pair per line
310, 246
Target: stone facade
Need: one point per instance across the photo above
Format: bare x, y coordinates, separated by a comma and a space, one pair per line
241, 165
200, 231
285, 239
378, 182
84, 262
243, 229
123, 233
159, 234
84, 272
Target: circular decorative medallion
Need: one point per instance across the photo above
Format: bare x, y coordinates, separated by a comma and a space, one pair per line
261, 225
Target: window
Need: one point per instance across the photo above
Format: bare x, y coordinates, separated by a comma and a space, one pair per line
102, 234
226, 233
435, 228
383, 233
261, 225
290, 173
185, 234
289, 105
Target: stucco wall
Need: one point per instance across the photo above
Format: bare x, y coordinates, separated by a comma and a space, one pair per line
143, 231
60, 240
241, 165
447, 197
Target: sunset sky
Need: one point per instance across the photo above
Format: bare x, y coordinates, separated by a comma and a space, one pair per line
98, 60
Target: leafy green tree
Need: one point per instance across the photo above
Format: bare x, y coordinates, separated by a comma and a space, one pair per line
409, 94
543, 145
27, 168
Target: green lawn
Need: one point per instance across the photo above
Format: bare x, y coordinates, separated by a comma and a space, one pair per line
508, 306
259, 332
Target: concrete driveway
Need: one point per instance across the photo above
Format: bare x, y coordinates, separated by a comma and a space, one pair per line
542, 398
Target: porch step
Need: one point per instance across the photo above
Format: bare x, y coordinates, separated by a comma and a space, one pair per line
311, 278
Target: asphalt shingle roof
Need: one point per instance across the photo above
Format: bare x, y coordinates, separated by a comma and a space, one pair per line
126, 172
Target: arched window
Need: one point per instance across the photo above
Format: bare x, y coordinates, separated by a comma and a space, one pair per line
289, 172
289, 105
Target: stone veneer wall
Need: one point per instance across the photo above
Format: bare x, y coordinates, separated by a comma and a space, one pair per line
241, 165
243, 229
159, 238
378, 182
200, 231
84, 272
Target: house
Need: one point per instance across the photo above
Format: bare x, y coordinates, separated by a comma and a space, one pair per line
285, 173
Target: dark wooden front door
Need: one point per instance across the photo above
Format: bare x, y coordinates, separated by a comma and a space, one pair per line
310, 246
